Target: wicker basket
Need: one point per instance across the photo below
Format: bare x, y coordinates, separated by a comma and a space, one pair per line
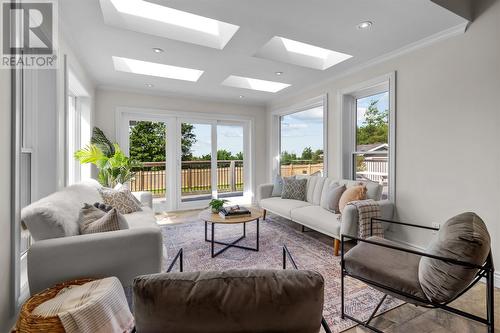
28, 323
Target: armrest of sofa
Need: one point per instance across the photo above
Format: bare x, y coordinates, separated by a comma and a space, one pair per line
146, 198
264, 191
123, 253
350, 219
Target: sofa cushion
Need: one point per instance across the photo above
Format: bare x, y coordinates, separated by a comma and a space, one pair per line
141, 219
121, 199
282, 207
463, 237
314, 188
91, 222
388, 267
233, 301
56, 215
295, 189
373, 189
353, 193
318, 219
278, 186
333, 198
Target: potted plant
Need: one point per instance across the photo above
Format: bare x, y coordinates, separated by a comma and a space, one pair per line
216, 205
113, 165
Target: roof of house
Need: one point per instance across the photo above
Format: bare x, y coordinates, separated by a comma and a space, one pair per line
373, 147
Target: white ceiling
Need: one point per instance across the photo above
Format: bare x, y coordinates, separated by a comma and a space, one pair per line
329, 24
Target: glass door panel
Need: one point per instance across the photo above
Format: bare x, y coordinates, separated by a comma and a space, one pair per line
230, 157
196, 161
147, 144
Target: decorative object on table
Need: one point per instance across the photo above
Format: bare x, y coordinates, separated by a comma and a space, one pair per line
113, 165
234, 212
79, 306
208, 217
458, 258
216, 205
231, 301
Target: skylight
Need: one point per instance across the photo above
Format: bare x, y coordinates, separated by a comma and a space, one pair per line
254, 84
151, 18
154, 69
299, 53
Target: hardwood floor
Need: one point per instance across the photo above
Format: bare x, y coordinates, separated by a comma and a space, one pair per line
406, 318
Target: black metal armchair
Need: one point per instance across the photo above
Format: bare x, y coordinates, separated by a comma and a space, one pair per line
404, 272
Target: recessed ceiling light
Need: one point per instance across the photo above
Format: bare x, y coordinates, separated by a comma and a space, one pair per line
254, 84
149, 85
365, 25
155, 69
148, 17
157, 50
241, 96
279, 73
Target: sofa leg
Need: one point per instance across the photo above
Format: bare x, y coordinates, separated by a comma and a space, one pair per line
264, 214
336, 247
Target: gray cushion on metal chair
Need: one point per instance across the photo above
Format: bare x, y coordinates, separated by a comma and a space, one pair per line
463, 237
233, 301
388, 267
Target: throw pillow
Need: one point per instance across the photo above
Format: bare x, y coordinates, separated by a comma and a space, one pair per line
352, 194
333, 197
122, 200
294, 189
110, 221
278, 185
120, 186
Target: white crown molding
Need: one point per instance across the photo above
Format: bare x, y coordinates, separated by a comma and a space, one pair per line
442, 35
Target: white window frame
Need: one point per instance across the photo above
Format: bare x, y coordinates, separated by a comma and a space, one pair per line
80, 136
124, 114
346, 124
275, 135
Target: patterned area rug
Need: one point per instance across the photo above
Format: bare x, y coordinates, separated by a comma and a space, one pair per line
308, 252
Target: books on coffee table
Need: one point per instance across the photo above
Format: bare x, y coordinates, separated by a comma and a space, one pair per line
234, 212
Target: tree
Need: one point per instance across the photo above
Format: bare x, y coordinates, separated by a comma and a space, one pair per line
374, 128
148, 141
307, 153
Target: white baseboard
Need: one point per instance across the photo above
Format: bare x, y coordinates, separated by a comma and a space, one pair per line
496, 278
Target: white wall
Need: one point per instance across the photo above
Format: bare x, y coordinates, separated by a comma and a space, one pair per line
108, 100
6, 296
448, 126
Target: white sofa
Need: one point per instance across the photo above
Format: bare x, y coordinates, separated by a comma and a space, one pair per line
313, 212
59, 253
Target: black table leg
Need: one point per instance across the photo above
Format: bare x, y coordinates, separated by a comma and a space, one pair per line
233, 243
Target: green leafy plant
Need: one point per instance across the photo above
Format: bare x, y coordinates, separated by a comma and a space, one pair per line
113, 165
217, 204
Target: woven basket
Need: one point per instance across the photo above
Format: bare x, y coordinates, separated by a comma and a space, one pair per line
28, 323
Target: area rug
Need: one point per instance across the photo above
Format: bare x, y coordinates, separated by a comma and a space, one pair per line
308, 252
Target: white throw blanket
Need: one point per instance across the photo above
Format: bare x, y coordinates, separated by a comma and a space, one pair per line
98, 306
368, 209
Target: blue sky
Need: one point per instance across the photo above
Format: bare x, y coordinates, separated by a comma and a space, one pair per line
229, 138
363, 103
302, 129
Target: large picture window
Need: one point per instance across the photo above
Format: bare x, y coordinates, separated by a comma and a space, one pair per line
368, 133
302, 141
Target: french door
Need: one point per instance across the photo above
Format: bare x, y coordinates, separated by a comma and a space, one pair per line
188, 161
